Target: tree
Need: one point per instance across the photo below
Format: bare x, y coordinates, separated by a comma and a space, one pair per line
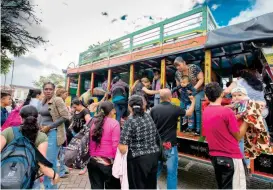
16, 17
56, 79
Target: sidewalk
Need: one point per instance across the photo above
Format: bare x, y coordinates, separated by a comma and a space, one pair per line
75, 181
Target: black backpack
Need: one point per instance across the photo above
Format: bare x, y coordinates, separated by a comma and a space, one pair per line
19, 163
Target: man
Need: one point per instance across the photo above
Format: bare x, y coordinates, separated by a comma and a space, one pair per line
5, 102
222, 134
196, 77
165, 116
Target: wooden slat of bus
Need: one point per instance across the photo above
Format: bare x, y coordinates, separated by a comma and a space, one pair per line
167, 48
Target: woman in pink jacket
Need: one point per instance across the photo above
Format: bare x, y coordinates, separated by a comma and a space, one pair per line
104, 139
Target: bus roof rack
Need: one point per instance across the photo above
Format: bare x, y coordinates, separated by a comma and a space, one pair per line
255, 30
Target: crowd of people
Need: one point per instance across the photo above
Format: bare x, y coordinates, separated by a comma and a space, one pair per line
131, 154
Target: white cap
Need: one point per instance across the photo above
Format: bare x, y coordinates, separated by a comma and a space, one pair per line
239, 89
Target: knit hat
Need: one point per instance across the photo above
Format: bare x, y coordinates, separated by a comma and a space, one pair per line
239, 89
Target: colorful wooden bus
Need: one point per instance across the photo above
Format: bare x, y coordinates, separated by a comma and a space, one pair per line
192, 35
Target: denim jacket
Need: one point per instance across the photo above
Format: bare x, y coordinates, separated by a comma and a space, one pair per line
184, 95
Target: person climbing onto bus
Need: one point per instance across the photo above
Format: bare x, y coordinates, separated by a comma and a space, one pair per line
141, 87
222, 134
165, 116
187, 90
196, 77
119, 92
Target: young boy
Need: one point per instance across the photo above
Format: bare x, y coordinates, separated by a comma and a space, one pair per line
5, 102
187, 90
222, 134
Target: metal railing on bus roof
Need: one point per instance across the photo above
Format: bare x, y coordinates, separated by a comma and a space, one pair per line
191, 23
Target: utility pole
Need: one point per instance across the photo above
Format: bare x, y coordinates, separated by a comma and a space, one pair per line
12, 74
5, 81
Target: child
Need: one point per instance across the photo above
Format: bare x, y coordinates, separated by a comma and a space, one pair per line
222, 134
256, 139
5, 102
187, 90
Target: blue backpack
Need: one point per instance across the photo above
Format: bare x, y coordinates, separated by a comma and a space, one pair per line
19, 163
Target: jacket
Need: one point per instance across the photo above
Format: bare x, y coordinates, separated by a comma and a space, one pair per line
119, 169
57, 109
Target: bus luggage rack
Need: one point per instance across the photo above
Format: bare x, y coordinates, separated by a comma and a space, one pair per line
193, 23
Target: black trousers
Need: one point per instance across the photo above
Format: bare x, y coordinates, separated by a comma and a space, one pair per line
100, 176
142, 171
224, 171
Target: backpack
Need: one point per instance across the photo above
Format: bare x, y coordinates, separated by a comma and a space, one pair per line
77, 152
19, 163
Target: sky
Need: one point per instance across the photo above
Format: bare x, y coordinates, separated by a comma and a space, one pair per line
72, 26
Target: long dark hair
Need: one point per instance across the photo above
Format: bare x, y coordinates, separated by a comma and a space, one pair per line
136, 103
104, 109
32, 93
78, 102
240, 70
252, 80
30, 127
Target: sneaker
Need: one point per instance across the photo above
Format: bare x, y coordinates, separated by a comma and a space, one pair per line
83, 171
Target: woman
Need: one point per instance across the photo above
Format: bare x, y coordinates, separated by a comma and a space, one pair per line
80, 117
104, 138
141, 87
53, 114
30, 130
196, 77
62, 93
254, 87
138, 137
33, 98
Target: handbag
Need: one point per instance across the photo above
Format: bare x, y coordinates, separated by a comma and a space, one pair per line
77, 152
162, 155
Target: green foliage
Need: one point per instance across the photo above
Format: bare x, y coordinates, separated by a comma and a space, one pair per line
56, 79
16, 17
5, 64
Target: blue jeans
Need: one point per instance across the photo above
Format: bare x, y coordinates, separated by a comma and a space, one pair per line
198, 107
63, 168
242, 148
185, 106
52, 156
172, 167
120, 110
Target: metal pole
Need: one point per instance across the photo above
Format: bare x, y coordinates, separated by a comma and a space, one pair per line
5, 82
12, 74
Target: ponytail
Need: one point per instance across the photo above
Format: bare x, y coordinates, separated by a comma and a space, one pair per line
30, 127
104, 109
28, 99
78, 102
136, 102
32, 93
